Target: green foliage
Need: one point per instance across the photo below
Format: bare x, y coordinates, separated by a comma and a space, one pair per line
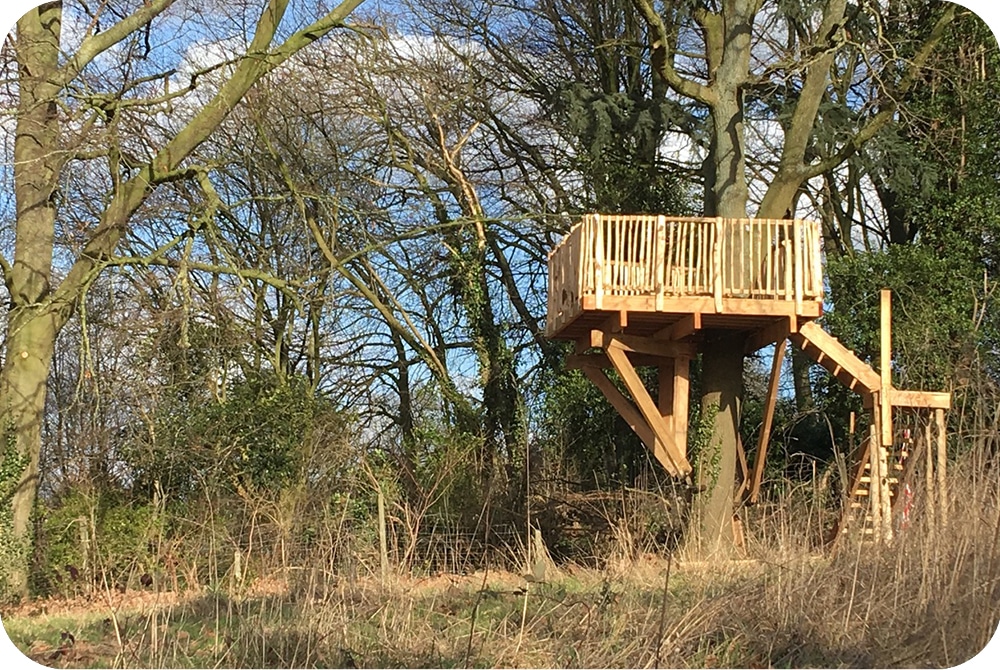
85, 537
934, 300
586, 435
618, 136
12, 548
251, 439
705, 454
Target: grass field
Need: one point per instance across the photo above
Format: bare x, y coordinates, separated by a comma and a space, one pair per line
931, 599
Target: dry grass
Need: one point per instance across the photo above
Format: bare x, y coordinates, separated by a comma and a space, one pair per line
932, 600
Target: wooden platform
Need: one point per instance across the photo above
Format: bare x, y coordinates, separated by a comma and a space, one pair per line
633, 290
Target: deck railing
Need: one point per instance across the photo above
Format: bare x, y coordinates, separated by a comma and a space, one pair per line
661, 256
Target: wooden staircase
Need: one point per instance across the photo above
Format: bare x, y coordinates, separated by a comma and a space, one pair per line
881, 466
837, 359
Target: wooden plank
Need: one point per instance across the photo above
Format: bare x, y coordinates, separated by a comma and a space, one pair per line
837, 354
741, 460
665, 393
776, 332
687, 304
797, 249
685, 326
885, 365
660, 255
678, 463
598, 262
617, 322
765, 429
718, 240
942, 466
642, 345
681, 399
874, 492
929, 482
921, 399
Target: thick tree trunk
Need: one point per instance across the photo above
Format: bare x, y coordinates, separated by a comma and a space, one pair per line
710, 531
23, 385
32, 325
710, 528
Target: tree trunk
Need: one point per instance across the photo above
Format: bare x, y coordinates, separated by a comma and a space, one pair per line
710, 528
710, 531
32, 326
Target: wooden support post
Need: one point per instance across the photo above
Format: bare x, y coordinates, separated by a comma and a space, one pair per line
765, 429
797, 260
616, 352
942, 466
744, 471
885, 367
874, 490
681, 396
660, 255
665, 392
929, 483
885, 499
717, 261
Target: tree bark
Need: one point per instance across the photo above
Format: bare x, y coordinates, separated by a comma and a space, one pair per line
32, 326
710, 527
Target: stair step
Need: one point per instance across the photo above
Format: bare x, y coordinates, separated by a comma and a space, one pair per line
867, 480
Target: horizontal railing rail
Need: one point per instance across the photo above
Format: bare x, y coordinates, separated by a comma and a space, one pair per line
663, 256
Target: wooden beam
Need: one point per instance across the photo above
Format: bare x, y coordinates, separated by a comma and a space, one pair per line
741, 460
665, 393
689, 304
675, 461
681, 397
922, 399
942, 466
617, 322
929, 483
765, 429
885, 365
641, 345
686, 325
601, 360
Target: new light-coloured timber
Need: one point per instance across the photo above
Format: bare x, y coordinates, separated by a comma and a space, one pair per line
663, 435
641, 345
942, 466
634, 290
685, 326
765, 429
885, 365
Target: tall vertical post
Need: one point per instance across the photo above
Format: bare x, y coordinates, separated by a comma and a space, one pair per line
929, 507
665, 395
765, 429
942, 465
885, 365
874, 490
682, 392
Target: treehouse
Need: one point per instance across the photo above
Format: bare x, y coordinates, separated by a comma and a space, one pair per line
632, 290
